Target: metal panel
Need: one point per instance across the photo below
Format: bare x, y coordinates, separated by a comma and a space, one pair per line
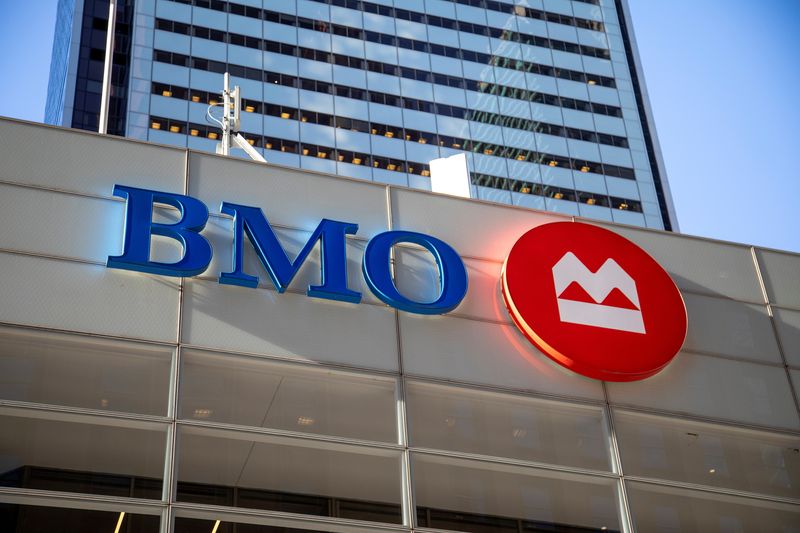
59, 224
472, 228
717, 388
699, 265
288, 325
84, 162
294, 198
88, 298
788, 325
417, 278
781, 272
484, 353
731, 328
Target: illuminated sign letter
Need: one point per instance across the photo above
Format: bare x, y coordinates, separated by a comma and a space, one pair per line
139, 227
251, 221
378, 274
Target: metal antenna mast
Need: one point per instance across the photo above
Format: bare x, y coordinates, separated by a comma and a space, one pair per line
231, 100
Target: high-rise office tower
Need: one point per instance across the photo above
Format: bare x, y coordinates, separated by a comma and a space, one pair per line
546, 97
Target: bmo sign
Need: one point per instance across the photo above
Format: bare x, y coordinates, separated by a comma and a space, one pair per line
588, 298
593, 301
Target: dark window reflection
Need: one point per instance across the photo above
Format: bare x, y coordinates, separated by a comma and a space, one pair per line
23, 518
30, 518
32, 477
193, 525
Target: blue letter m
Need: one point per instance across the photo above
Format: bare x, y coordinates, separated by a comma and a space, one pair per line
331, 234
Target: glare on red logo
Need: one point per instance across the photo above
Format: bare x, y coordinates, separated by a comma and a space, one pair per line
593, 301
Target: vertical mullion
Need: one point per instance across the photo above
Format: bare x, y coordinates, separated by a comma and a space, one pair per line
625, 511
408, 505
773, 323
406, 483
169, 485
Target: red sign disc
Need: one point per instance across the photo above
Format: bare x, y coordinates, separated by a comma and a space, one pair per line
593, 301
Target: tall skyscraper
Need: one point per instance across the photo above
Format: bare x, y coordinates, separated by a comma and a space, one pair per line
545, 97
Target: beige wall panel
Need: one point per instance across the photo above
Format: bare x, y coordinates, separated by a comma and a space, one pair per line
699, 265
83, 162
788, 325
288, 325
781, 272
472, 228
481, 352
709, 386
418, 278
728, 327
88, 298
290, 197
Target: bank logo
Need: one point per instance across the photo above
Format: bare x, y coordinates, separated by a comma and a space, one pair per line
605, 299
593, 301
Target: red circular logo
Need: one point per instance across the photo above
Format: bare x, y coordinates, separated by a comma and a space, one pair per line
593, 301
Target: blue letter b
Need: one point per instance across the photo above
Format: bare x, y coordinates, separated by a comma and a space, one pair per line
139, 226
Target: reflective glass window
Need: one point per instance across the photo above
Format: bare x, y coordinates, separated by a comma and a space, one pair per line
253, 392
233, 468
88, 372
199, 525
709, 454
22, 518
659, 508
472, 421
466, 495
86, 454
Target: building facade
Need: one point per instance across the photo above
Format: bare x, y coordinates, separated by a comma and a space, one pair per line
134, 402
545, 97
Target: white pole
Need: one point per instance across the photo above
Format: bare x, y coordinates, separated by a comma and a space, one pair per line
109, 62
226, 116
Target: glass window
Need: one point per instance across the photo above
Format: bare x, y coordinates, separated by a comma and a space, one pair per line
19, 518
232, 468
199, 525
79, 453
468, 495
502, 425
657, 508
254, 392
87, 372
709, 454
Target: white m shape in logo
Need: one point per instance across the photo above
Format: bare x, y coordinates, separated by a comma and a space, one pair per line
598, 285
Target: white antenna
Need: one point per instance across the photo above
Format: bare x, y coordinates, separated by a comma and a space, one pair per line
107, 71
230, 125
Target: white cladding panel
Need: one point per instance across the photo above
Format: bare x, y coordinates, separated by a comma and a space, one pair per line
90, 298
71, 226
486, 353
474, 229
715, 388
788, 324
418, 278
288, 197
700, 265
288, 325
727, 327
84, 162
781, 272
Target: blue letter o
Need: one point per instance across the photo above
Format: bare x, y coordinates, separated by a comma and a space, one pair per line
378, 273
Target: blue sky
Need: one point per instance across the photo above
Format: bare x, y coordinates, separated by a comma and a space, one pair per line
723, 78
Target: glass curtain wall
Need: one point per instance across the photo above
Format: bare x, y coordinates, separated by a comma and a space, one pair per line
104, 434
